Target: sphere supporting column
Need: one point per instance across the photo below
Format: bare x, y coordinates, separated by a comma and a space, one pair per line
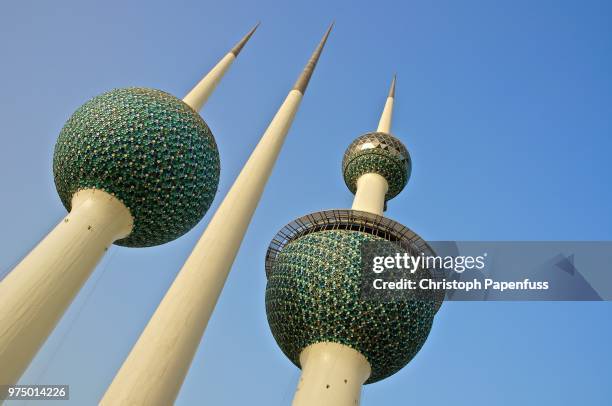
34, 296
370, 194
332, 375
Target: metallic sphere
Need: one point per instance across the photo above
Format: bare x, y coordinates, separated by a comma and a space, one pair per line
379, 153
148, 149
314, 295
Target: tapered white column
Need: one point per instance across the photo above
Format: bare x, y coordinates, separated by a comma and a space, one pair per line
35, 294
384, 124
155, 369
202, 91
370, 194
332, 375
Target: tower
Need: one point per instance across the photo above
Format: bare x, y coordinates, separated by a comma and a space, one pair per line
160, 359
135, 167
316, 311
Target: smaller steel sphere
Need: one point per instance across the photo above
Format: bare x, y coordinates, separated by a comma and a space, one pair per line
148, 149
379, 153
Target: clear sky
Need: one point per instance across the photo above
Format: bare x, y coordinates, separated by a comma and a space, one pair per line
505, 106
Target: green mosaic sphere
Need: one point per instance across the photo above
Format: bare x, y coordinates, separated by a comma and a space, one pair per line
379, 153
314, 295
147, 148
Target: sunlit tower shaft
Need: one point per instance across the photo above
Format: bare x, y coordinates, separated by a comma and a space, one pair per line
135, 167
314, 301
160, 359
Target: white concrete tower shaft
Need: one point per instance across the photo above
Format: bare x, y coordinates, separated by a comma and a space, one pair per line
332, 375
160, 359
371, 187
36, 293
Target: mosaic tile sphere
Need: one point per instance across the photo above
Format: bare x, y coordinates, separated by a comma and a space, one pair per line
379, 153
314, 295
147, 148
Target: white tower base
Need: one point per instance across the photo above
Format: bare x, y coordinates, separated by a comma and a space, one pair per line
35, 294
370, 195
332, 375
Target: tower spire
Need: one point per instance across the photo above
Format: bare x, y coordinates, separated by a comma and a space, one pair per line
384, 125
302, 82
198, 96
160, 359
238, 47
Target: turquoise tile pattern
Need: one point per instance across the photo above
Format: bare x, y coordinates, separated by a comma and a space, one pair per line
314, 295
148, 149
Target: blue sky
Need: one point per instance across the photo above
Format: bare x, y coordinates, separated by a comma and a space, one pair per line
505, 106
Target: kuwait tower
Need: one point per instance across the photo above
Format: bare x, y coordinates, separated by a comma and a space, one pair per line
136, 167
316, 309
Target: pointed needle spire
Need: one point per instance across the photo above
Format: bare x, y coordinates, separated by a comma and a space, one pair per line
238, 47
384, 125
302, 81
202, 91
392, 88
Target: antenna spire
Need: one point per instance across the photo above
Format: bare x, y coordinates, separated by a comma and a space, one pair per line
302, 82
384, 125
198, 96
238, 47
